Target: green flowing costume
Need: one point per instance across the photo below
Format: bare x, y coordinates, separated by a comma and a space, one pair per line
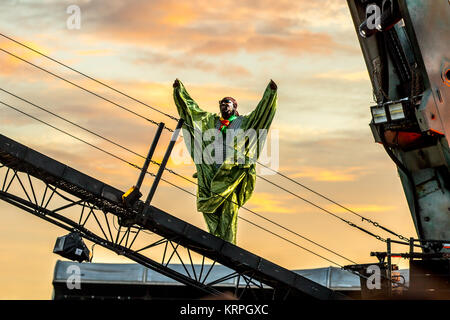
223, 188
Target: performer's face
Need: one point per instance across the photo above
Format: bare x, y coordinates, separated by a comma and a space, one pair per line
226, 108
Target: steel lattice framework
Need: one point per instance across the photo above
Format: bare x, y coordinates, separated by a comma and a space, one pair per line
145, 234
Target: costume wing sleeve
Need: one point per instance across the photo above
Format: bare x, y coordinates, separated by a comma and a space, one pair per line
262, 116
188, 109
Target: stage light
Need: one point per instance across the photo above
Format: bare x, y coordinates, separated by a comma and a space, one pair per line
72, 247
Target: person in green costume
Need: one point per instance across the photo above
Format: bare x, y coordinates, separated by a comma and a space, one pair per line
226, 180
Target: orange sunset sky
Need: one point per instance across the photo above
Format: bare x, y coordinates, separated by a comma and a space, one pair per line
217, 48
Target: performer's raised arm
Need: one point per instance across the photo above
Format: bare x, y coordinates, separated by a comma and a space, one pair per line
262, 116
187, 108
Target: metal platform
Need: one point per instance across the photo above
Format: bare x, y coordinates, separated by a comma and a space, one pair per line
97, 197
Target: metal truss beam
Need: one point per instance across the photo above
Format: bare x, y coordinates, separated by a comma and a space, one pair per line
76, 202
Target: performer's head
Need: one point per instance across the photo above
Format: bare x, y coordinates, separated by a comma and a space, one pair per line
228, 107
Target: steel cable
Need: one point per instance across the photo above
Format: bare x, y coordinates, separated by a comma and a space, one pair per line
376, 224
154, 162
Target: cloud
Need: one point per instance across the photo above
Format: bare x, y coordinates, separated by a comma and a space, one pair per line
177, 62
95, 52
329, 174
263, 202
291, 44
344, 76
197, 27
10, 65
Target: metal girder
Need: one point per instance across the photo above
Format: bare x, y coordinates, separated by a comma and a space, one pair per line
409, 67
76, 202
